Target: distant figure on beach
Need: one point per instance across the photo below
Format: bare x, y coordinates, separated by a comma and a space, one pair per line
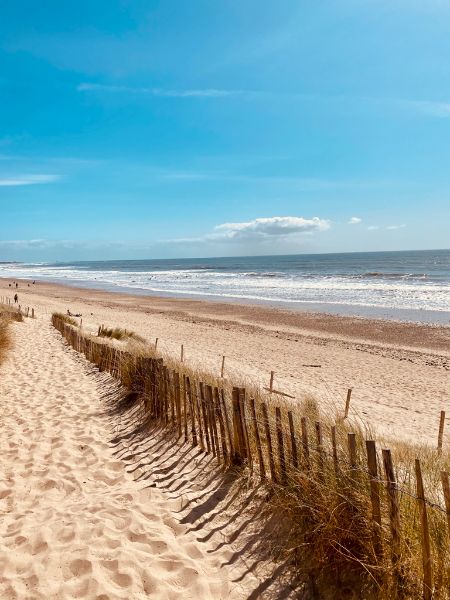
34, 282
9, 284
16, 298
17, 285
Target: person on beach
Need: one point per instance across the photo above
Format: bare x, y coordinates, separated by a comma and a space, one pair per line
16, 298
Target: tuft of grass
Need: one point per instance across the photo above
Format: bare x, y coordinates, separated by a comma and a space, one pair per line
117, 333
66, 319
9, 313
5, 341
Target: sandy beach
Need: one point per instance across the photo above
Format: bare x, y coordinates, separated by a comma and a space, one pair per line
73, 522
89, 510
399, 372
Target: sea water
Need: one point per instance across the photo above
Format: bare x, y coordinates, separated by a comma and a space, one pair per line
410, 284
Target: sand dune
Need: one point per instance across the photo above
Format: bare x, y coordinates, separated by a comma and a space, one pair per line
73, 523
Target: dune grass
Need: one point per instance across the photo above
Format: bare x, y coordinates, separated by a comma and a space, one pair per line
7, 315
10, 313
118, 333
323, 502
66, 319
5, 341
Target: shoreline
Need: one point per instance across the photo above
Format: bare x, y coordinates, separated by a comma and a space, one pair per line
368, 311
406, 334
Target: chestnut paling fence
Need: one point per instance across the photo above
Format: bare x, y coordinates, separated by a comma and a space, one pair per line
355, 506
15, 310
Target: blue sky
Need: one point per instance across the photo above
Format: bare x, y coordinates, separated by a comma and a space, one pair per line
132, 129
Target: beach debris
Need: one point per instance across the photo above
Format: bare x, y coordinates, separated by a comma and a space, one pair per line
272, 390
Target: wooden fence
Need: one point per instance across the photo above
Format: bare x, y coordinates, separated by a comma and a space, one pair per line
385, 520
25, 311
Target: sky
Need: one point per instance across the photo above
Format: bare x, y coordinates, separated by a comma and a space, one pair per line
192, 128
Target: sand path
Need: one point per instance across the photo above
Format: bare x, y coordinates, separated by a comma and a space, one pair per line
73, 523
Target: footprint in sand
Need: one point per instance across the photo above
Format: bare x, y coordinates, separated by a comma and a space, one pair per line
80, 567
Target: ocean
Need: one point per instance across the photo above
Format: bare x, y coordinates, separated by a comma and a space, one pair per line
411, 285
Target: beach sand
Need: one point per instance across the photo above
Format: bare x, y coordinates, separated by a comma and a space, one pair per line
86, 511
73, 522
399, 372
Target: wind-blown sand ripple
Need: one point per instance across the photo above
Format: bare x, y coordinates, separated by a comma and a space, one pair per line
73, 523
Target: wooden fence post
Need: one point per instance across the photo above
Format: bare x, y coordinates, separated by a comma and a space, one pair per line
198, 409
226, 422
206, 430
212, 420
320, 453
441, 431
426, 548
352, 452
294, 454
218, 412
177, 391
185, 415
281, 456
262, 470
222, 370
238, 434
335, 453
394, 513
192, 411
446, 490
243, 411
347, 402
273, 474
374, 496
305, 444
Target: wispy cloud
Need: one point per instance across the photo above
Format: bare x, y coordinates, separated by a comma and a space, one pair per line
429, 108
19, 180
402, 226
25, 244
167, 93
389, 227
354, 221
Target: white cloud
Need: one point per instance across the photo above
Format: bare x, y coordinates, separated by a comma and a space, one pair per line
27, 180
189, 93
373, 227
268, 228
396, 226
354, 221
